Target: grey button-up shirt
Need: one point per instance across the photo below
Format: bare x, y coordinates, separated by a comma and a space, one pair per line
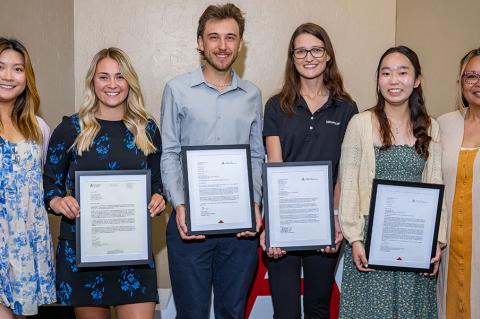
196, 113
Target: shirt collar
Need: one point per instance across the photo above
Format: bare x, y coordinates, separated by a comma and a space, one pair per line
198, 78
301, 103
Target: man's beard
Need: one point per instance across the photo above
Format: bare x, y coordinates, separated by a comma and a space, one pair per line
218, 66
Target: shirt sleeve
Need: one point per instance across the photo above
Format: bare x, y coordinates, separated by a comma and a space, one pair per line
153, 159
351, 221
270, 122
257, 150
170, 160
58, 161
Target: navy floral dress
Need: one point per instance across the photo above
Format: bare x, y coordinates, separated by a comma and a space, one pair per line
113, 149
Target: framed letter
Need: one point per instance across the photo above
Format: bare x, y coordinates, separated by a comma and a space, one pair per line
114, 224
218, 189
403, 225
298, 205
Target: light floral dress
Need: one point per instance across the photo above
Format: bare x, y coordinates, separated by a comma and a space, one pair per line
27, 274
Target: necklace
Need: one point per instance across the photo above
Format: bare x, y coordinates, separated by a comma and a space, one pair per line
218, 85
397, 129
310, 96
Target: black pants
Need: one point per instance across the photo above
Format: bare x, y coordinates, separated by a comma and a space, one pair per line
284, 277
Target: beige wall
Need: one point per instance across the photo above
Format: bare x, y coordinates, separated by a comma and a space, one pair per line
46, 28
441, 32
160, 37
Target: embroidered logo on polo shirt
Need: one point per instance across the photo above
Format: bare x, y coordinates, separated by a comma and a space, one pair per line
332, 122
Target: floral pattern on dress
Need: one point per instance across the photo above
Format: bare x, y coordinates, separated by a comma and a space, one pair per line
96, 288
64, 291
129, 141
70, 255
27, 274
129, 282
102, 146
388, 294
112, 149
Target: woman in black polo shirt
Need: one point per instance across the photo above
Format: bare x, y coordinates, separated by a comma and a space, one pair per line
306, 121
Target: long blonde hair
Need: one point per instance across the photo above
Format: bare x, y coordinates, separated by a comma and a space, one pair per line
462, 104
135, 118
27, 103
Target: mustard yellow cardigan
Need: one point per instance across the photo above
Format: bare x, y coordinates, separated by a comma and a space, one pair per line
451, 127
357, 170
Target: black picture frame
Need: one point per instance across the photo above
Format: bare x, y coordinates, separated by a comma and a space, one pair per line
372, 213
79, 175
187, 151
269, 215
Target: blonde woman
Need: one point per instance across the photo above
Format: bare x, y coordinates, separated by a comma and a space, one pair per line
459, 280
27, 275
111, 131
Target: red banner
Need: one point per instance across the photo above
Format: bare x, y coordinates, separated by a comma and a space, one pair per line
261, 288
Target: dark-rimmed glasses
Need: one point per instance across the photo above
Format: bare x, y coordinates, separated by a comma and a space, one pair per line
316, 52
471, 78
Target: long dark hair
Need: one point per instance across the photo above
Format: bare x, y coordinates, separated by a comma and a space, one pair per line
416, 103
332, 78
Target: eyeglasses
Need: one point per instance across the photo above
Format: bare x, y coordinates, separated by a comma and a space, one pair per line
471, 78
316, 52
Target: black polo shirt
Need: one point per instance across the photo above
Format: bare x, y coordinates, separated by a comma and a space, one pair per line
309, 137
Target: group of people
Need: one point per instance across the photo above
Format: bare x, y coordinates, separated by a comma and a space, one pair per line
312, 118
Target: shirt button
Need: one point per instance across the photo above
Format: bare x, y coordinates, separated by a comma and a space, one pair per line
311, 127
311, 118
219, 117
218, 138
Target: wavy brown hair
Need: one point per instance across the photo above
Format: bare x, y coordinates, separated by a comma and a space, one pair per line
27, 104
419, 118
332, 79
462, 104
220, 12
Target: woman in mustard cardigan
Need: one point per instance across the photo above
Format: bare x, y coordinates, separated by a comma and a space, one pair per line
395, 140
459, 279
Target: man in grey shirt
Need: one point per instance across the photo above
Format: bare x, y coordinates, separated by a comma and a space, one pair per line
211, 106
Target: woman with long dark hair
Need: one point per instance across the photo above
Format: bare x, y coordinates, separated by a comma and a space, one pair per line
306, 121
394, 140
